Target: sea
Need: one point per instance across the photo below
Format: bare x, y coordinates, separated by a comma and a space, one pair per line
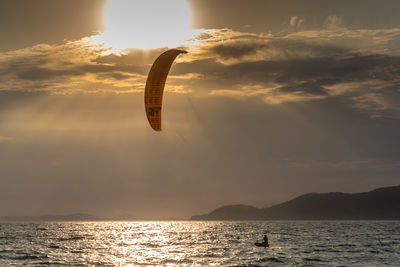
188, 243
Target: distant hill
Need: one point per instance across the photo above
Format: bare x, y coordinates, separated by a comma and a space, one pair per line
71, 217
378, 204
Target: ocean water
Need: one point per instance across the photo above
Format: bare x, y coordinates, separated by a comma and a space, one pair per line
304, 243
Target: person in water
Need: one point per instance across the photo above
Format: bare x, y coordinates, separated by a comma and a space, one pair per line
265, 239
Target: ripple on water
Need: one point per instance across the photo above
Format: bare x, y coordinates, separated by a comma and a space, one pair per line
72, 238
29, 257
270, 259
313, 259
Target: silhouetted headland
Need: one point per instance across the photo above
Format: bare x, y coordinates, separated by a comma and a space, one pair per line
378, 204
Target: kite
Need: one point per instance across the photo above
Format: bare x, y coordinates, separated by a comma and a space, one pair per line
155, 84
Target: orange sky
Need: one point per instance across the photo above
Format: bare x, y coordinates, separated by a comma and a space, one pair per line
273, 100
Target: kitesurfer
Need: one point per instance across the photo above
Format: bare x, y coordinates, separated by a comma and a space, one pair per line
265, 239
264, 243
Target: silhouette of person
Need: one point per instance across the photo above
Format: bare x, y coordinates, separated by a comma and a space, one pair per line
265, 239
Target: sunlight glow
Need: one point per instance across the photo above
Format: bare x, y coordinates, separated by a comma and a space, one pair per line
146, 24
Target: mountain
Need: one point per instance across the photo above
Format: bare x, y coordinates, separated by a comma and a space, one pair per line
69, 217
378, 204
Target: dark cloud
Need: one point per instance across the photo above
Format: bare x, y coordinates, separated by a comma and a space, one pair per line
237, 50
34, 68
311, 88
299, 68
282, 48
37, 74
370, 80
340, 69
133, 69
308, 74
115, 76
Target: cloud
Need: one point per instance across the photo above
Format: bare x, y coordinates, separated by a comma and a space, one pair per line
295, 21
294, 66
301, 66
371, 102
80, 66
303, 78
37, 74
69, 67
332, 22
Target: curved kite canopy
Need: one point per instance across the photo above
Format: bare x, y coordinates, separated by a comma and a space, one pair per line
155, 86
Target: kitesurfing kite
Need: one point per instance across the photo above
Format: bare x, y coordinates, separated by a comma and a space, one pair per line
155, 86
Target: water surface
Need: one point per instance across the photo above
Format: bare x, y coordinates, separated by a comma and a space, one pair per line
305, 243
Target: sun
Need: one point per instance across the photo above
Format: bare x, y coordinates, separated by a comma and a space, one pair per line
146, 24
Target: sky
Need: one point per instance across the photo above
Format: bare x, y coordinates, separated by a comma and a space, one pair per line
276, 98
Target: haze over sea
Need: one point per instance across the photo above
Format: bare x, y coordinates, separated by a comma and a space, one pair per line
306, 243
